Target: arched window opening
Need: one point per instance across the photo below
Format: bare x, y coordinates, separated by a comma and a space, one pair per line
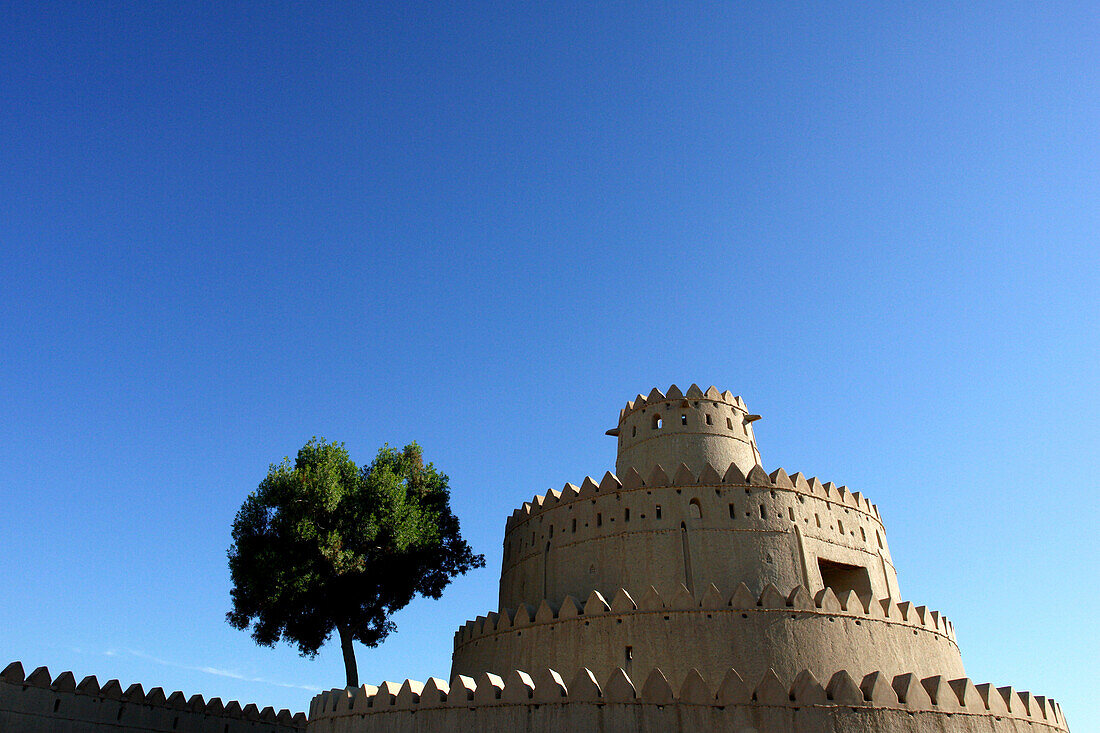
657, 422
695, 510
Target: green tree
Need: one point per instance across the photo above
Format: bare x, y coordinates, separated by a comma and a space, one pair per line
321, 546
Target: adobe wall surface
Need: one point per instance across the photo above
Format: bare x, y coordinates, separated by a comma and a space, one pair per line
712, 632
39, 704
695, 529
875, 703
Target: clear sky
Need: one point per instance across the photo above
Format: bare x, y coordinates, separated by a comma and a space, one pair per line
226, 229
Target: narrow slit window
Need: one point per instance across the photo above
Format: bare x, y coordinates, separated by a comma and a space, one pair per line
709, 421
817, 518
790, 513
863, 534
729, 424
626, 514
574, 524
879, 538
840, 526
658, 511
599, 519
733, 512
683, 419
634, 432
762, 514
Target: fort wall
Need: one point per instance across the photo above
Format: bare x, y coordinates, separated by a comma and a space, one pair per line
546, 700
711, 528
38, 704
711, 632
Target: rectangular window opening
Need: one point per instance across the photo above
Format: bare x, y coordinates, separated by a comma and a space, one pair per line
683, 419
599, 519
790, 513
733, 512
658, 511
709, 421
626, 514
842, 577
762, 515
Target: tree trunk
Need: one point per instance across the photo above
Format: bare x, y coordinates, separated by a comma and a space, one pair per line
349, 655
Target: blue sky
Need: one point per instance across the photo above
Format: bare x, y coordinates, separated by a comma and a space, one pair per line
226, 229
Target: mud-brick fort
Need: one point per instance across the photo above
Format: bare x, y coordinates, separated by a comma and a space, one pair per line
692, 590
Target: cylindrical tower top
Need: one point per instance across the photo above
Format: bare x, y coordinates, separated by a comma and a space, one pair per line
696, 428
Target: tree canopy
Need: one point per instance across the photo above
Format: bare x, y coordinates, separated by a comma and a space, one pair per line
321, 545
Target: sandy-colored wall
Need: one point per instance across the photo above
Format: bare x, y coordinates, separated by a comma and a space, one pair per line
843, 703
711, 632
39, 704
759, 530
696, 430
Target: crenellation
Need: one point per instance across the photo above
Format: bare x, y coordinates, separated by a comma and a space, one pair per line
967, 695
695, 690
40, 677
806, 690
770, 690
408, 696
134, 693
877, 690
658, 477
656, 689
843, 689
619, 687
60, 703
518, 687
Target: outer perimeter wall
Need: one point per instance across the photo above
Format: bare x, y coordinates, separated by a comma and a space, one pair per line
39, 704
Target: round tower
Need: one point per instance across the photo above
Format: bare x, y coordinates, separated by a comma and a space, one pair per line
693, 557
698, 429
696, 570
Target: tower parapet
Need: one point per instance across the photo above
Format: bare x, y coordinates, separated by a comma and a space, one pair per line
697, 428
